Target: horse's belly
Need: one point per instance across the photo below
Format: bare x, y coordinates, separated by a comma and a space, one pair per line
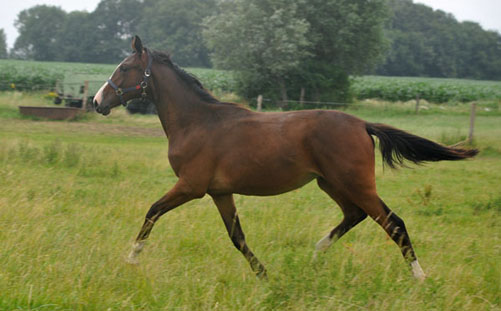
262, 183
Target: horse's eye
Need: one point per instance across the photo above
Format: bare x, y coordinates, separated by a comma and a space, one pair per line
123, 69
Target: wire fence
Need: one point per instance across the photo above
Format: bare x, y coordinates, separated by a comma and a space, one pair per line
306, 102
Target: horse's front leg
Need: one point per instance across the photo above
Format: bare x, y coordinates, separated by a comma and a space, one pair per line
178, 195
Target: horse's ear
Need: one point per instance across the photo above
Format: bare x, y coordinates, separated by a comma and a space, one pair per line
137, 45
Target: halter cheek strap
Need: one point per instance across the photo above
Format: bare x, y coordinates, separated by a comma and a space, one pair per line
141, 85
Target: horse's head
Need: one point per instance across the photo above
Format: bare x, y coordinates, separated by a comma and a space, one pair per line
129, 80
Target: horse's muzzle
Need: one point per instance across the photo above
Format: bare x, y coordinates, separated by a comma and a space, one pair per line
102, 110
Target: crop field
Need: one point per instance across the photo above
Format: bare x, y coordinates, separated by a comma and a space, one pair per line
27, 75
73, 196
431, 89
31, 75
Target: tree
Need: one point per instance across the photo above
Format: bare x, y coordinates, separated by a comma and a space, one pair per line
176, 26
3, 44
314, 44
262, 40
115, 23
347, 38
432, 43
39, 28
77, 40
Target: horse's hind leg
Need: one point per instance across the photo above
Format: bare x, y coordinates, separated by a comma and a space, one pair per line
352, 216
226, 207
394, 227
356, 205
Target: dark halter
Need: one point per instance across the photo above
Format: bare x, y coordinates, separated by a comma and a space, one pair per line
142, 85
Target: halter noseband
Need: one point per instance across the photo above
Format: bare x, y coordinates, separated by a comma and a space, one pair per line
141, 85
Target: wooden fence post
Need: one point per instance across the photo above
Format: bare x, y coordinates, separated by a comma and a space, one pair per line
85, 95
472, 122
301, 96
417, 103
259, 102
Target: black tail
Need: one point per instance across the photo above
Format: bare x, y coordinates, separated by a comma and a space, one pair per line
397, 145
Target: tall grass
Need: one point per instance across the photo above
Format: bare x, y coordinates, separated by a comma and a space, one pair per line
72, 201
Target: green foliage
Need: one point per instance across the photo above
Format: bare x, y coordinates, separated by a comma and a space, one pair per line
114, 24
277, 48
79, 38
22, 75
339, 35
31, 75
3, 44
28, 75
345, 33
262, 41
432, 90
39, 28
176, 26
322, 82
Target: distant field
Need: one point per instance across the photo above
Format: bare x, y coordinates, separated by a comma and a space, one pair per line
431, 89
73, 196
27, 75
31, 75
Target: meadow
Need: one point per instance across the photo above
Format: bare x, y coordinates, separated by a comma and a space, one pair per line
73, 196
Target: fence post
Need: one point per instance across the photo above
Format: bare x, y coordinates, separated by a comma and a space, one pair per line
85, 95
472, 122
301, 96
417, 103
259, 102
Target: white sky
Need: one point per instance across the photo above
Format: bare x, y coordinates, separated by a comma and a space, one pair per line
485, 12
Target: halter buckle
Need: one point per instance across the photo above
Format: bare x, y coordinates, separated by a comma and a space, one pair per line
119, 91
147, 72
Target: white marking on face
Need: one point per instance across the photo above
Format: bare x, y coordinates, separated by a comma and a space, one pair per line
99, 95
417, 271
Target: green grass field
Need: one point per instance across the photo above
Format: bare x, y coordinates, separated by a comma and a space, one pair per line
73, 196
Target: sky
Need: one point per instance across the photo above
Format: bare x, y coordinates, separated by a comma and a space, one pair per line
485, 12
10, 9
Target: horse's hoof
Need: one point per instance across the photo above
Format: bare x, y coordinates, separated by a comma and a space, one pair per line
417, 271
132, 261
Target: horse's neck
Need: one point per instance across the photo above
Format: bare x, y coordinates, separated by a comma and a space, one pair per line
178, 107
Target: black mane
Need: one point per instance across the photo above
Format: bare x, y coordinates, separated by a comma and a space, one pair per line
190, 80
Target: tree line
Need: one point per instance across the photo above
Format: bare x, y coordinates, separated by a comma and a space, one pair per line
432, 43
277, 47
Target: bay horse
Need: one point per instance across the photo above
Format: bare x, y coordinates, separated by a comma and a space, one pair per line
220, 148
